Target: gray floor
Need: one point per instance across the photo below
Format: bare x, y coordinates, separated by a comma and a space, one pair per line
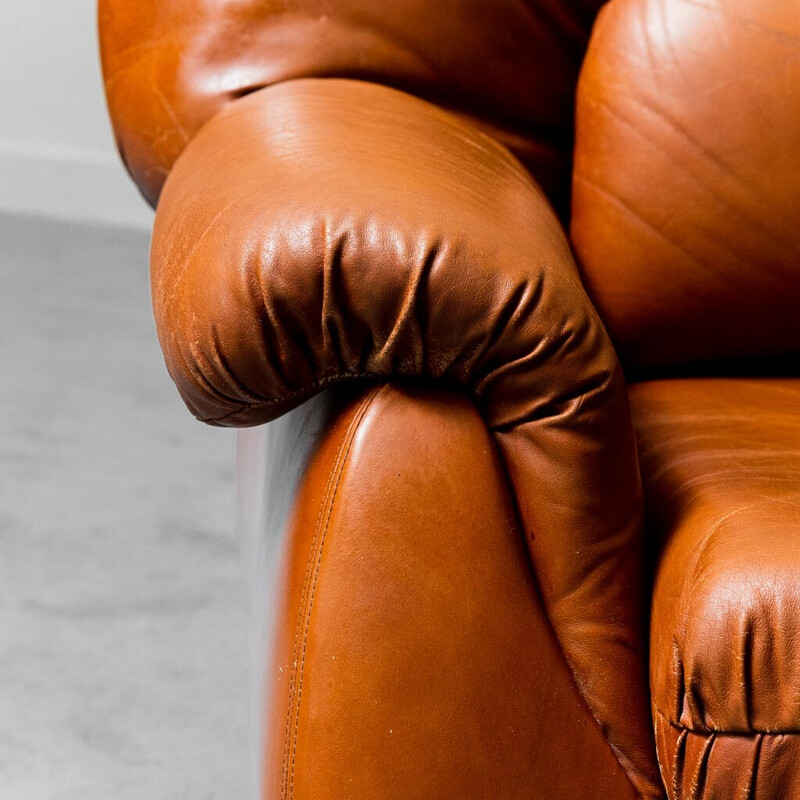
122, 616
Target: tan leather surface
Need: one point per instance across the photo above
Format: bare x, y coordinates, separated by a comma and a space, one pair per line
686, 190
414, 658
508, 66
721, 466
322, 230
729, 766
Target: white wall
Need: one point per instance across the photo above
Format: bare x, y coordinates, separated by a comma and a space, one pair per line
57, 155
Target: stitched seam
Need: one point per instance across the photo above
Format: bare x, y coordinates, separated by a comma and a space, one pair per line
304, 617
754, 733
351, 436
303, 596
296, 642
300, 615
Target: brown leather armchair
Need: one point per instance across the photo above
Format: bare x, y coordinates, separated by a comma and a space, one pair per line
360, 235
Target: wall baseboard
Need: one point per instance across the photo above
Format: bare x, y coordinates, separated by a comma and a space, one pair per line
70, 183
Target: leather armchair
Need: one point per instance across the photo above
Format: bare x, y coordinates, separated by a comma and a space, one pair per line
360, 240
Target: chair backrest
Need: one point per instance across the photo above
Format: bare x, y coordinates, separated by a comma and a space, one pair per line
686, 188
509, 66
686, 201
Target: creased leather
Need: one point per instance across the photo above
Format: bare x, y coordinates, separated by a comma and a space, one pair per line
707, 765
509, 67
686, 202
721, 467
321, 230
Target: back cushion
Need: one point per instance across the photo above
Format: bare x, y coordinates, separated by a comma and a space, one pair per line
686, 205
510, 66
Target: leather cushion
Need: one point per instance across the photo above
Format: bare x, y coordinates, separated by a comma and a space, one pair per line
721, 468
510, 67
686, 188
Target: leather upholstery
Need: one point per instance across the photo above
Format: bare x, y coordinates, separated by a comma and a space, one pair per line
721, 466
686, 189
413, 657
349, 190
318, 231
509, 67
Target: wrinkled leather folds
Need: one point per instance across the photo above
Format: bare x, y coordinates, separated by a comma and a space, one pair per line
686, 191
509, 67
707, 765
721, 467
322, 230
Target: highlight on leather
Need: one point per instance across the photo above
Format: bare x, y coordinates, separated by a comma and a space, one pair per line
324, 230
510, 68
721, 468
686, 193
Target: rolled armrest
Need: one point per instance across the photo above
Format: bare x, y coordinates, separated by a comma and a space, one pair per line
321, 230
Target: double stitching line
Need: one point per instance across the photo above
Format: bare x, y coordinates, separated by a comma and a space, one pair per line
307, 598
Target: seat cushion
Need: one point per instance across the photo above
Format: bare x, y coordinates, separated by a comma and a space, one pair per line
721, 467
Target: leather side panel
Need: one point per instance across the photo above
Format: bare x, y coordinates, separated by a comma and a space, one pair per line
414, 659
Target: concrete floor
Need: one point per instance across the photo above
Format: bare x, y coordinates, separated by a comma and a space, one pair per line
123, 655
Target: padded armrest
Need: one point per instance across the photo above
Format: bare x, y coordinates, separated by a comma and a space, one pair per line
320, 230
